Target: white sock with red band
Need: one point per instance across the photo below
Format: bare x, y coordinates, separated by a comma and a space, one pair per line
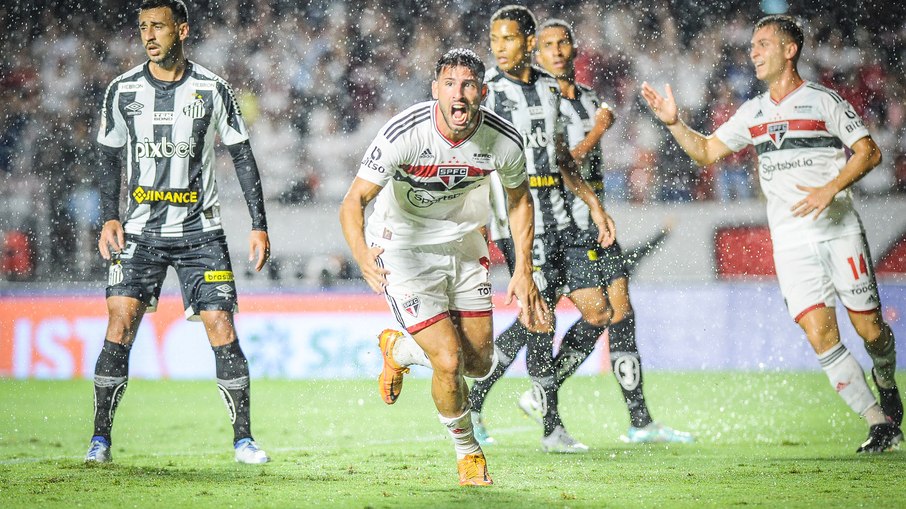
460, 429
848, 379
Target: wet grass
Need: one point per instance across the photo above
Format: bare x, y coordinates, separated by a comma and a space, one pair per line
764, 440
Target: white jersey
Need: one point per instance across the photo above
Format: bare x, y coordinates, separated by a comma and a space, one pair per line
580, 118
168, 131
799, 140
435, 190
534, 108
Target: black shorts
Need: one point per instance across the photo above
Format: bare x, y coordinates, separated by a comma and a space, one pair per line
604, 264
558, 269
204, 271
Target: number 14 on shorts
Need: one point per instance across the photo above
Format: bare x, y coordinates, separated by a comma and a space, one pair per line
862, 267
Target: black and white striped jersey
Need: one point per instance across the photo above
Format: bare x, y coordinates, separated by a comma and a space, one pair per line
535, 109
168, 131
580, 118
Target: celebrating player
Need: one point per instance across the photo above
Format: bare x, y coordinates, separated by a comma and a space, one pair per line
164, 114
428, 169
588, 120
530, 98
799, 130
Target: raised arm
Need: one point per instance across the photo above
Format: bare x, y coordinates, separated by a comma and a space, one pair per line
352, 220
704, 150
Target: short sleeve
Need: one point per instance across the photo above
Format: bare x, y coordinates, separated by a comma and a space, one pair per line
228, 120
379, 160
844, 123
113, 132
734, 133
512, 168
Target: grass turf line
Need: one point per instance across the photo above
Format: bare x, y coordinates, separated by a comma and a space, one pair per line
764, 440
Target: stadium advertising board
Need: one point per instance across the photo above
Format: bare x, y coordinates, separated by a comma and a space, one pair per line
721, 326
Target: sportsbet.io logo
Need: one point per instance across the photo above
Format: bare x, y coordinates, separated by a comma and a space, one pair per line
171, 196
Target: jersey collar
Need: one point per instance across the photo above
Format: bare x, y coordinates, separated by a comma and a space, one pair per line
789, 94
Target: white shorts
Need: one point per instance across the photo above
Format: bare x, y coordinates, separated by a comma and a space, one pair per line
811, 276
429, 283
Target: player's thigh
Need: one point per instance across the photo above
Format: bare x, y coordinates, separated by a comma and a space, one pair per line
476, 335
584, 283
417, 285
618, 296
852, 272
206, 277
804, 281
441, 342
469, 290
137, 272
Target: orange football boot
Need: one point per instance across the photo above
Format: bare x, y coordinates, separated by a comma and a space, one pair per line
473, 470
390, 381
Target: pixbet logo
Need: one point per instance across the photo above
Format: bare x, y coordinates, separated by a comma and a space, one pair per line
536, 139
164, 148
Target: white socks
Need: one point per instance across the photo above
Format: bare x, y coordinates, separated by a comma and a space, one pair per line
406, 352
460, 429
848, 379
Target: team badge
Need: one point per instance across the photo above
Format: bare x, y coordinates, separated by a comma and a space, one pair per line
451, 176
411, 305
195, 109
115, 274
777, 132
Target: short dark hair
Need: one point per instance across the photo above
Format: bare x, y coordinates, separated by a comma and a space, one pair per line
461, 57
520, 14
180, 13
788, 26
559, 23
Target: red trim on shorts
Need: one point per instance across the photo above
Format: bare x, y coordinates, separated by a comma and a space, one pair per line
806, 311
470, 314
427, 323
867, 312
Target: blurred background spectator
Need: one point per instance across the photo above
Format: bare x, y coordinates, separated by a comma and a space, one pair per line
316, 79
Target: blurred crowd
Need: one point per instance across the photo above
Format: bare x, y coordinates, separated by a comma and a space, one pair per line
316, 79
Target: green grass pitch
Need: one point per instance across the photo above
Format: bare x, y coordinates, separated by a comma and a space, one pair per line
764, 440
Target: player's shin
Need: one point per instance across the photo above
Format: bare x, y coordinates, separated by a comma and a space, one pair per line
884, 357
505, 348
540, 366
578, 343
233, 382
627, 368
847, 378
111, 375
460, 429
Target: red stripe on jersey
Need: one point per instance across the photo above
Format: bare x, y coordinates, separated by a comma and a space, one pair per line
430, 170
792, 125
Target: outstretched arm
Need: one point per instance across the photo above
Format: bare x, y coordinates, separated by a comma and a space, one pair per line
352, 219
521, 214
704, 150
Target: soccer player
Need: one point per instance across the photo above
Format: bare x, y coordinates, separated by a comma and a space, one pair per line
164, 115
800, 131
530, 98
588, 120
428, 169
